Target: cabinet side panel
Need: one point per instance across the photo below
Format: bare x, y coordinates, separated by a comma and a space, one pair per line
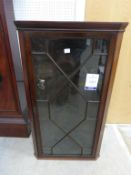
7, 102
113, 59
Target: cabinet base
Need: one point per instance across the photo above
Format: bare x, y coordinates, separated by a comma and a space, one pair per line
12, 127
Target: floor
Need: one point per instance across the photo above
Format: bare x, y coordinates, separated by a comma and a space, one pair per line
17, 158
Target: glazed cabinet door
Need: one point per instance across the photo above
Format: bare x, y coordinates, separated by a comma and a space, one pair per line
13, 108
12, 123
66, 76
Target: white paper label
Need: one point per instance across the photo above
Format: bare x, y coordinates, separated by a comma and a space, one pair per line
91, 81
88, 42
67, 50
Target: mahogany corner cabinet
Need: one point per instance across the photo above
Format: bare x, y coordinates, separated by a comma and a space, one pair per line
69, 69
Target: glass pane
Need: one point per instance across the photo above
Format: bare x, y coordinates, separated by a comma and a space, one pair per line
69, 74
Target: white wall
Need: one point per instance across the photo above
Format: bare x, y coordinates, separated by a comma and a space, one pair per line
49, 10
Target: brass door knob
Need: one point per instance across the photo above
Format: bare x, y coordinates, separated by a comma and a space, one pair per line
41, 84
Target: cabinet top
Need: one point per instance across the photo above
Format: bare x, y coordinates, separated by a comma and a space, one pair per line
75, 26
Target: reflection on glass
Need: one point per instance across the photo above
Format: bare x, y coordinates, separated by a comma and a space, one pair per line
67, 110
